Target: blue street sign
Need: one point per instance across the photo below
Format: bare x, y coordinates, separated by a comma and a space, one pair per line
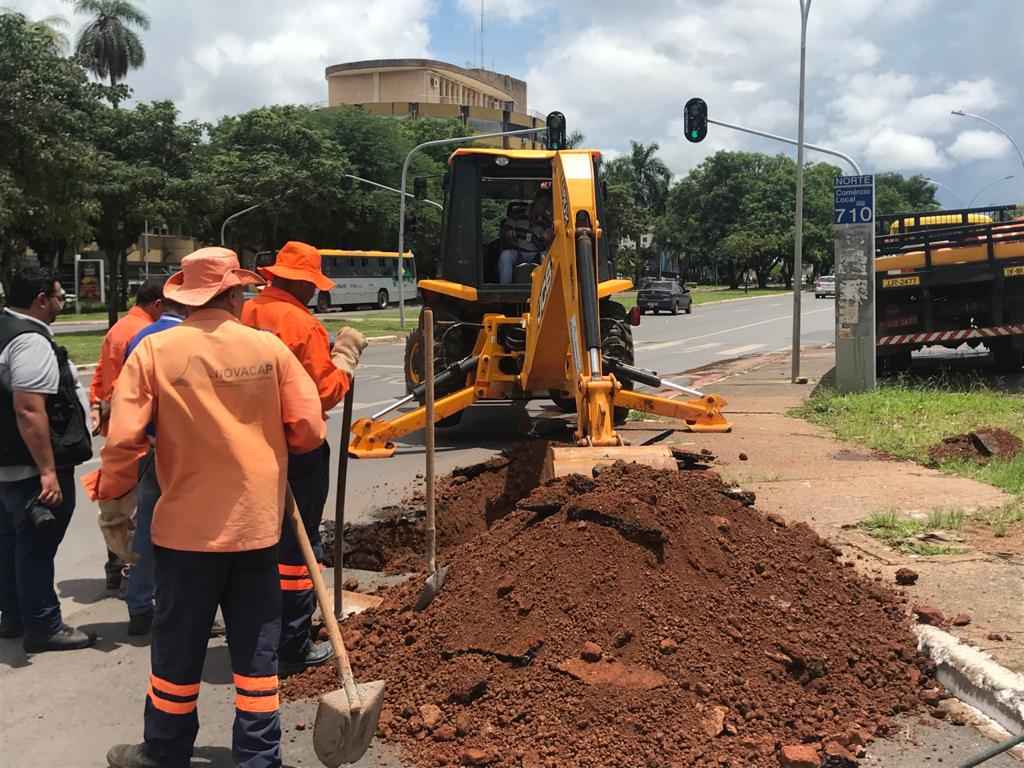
854, 199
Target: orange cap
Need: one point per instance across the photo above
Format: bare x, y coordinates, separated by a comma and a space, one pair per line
298, 261
205, 274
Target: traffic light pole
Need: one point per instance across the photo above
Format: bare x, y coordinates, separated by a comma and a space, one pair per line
792, 142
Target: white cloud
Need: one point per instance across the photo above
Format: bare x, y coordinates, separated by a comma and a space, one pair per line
512, 10
979, 145
746, 86
895, 149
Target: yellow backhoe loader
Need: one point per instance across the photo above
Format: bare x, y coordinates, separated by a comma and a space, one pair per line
523, 309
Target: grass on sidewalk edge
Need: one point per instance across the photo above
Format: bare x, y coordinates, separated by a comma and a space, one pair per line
906, 417
84, 346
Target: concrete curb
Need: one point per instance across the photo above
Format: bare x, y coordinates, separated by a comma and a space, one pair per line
386, 339
975, 678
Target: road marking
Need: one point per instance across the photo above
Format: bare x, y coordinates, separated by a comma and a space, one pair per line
665, 344
698, 348
736, 351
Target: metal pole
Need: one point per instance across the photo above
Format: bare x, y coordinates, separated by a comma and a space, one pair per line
428, 379
798, 232
234, 216
946, 187
961, 113
988, 187
775, 137
403, 195
988, 754
145, 250
78, 295
392, 189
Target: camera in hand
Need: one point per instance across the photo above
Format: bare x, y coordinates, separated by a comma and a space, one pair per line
40, 515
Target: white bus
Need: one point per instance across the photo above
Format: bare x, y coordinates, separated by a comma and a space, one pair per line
360, 278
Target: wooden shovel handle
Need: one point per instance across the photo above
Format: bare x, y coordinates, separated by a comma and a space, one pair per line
326, 609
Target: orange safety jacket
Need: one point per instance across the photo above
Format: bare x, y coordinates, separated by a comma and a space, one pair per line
228, 403
283, 315
112, 353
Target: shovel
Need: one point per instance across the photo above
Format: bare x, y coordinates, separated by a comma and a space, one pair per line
437, 578
346, 719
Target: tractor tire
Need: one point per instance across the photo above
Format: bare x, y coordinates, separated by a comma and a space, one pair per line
617, 342
414, 373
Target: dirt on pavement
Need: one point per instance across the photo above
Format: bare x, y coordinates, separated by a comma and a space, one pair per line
980, 446
638, 618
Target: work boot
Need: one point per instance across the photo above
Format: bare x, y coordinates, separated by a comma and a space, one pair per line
140, 624
114, 569
64, 639
132, 756
10, 627
318, 653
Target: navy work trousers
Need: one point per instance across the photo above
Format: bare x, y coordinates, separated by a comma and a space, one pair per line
189, 587
309, 476
27, 596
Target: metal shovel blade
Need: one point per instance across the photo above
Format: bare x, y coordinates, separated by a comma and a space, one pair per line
343, 730
431, 588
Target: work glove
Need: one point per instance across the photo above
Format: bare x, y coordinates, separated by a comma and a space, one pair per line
117, 522
348, 347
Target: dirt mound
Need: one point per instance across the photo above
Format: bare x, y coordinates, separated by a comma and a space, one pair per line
469, 501
981, 446
721, 636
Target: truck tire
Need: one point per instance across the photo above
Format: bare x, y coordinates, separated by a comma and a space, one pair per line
1006, 357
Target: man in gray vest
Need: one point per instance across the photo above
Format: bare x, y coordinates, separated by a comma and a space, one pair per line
38, 387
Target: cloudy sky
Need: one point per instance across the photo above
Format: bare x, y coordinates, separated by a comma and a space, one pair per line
882, 75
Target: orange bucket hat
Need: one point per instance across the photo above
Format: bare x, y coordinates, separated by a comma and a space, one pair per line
299, 261
205, 274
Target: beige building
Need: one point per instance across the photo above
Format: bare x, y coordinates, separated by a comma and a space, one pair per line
484, 101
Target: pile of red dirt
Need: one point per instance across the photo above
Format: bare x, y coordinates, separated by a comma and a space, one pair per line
640, 618
468, 502
980, 446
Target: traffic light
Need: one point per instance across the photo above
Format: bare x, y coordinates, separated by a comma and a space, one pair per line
695, 120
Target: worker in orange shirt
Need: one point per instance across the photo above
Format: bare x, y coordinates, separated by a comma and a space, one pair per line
147, 309
281, 308
227, 404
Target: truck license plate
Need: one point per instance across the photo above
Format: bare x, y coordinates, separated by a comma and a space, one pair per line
900, 282
1014, 271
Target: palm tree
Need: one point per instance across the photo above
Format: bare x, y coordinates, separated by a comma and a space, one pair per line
107, 45
51, 26
651, 176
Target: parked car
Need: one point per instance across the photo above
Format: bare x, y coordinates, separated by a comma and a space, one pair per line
655, 295
824, 286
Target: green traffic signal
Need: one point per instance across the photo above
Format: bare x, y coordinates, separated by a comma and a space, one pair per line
695, 119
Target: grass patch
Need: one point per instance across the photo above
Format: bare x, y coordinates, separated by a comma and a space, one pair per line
906, 417
85, 317
374, 325
83, 347
710, 296
1001, 520
901, 531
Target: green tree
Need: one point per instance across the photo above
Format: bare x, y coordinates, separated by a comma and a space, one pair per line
48, 165
108, 45
53, 27
147, 168
651, 176
895, 193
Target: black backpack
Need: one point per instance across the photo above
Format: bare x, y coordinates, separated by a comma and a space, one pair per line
69, 428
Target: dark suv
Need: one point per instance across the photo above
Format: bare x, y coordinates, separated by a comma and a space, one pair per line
655, 295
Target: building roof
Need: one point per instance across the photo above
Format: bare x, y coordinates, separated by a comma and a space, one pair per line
384, 65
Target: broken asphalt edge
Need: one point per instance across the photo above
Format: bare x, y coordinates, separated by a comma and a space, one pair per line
975, 678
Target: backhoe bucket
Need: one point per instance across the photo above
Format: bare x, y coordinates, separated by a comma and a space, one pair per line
561, 461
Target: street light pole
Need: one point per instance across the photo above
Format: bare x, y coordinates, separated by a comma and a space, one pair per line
946, 187
962, 113
989, 186
391, 189
798, 233
232, 217
404, 194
